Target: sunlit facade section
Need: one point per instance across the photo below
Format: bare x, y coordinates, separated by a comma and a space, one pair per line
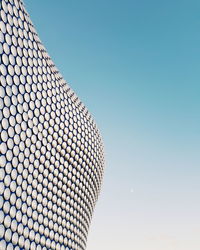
51, 152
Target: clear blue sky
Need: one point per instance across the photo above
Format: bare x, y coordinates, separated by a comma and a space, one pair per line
136, 66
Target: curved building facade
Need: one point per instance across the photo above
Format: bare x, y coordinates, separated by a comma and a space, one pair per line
51, 152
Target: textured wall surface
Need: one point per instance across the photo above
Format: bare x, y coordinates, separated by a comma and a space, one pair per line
51, 161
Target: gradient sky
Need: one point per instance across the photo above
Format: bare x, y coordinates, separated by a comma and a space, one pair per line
135, 64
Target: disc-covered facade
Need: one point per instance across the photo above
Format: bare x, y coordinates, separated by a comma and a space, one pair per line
51, 152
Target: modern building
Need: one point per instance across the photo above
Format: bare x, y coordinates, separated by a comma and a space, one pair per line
51, 152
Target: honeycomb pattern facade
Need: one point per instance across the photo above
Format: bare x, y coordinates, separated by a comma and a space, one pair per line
51, 153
